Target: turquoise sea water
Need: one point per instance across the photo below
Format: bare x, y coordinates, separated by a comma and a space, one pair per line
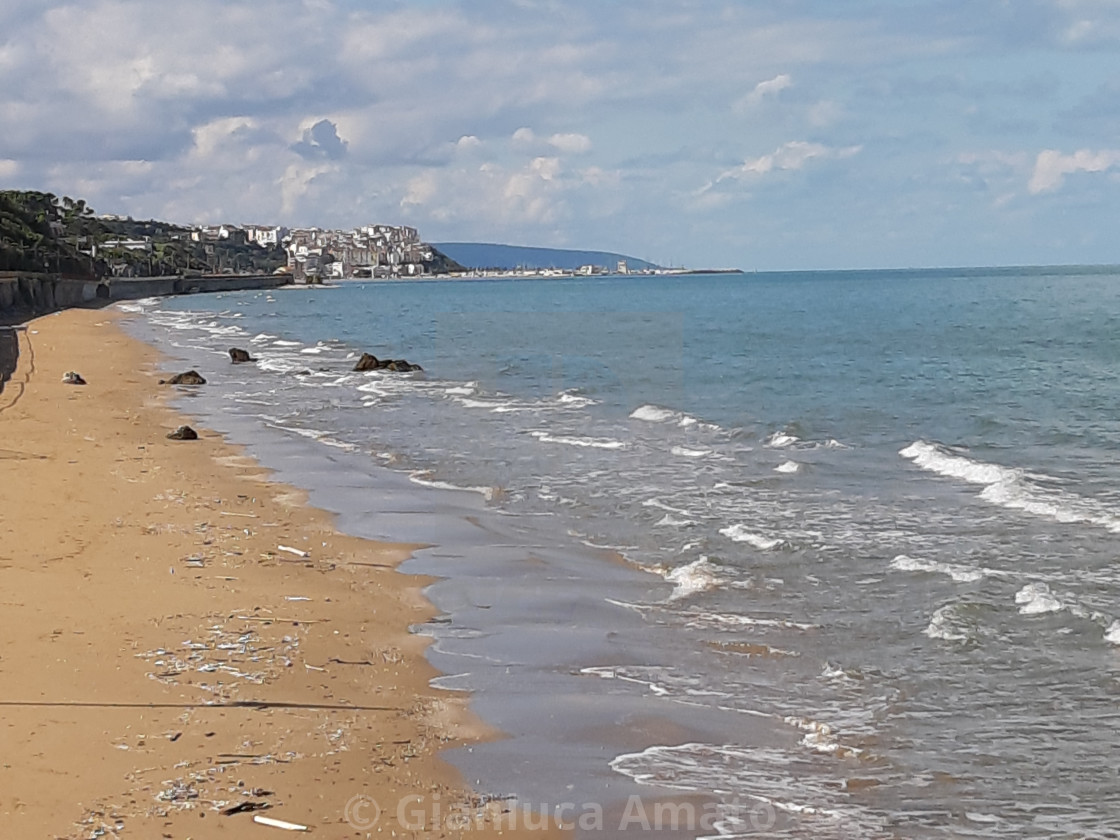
869, 522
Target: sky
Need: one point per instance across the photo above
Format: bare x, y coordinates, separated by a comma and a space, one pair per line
787, 134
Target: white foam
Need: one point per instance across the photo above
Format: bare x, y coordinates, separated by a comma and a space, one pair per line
787, 467
1112, 634
931, 457
607, 673
1012, 488
670, 521
757, 782
421, 477
959, 573
947, 626
573, 400
652, 414
697, 576
834, 673
660, 505
657, 414
319, 435
780, 440
740, 533
138, 305
570, 440
819, 737
685, 452
702, 618
1037, 599
280, 364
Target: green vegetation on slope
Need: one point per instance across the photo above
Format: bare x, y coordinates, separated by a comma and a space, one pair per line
41, 232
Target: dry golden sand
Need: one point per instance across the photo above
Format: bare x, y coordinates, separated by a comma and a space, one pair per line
162, 658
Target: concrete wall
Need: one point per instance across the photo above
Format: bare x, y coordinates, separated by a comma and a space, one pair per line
24, 296
35, 294
141, 287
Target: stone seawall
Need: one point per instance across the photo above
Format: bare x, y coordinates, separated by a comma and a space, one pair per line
9, 354
24, 296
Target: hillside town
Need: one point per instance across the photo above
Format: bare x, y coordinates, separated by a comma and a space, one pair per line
318, 255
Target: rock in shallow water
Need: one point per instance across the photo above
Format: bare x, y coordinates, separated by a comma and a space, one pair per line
191, 377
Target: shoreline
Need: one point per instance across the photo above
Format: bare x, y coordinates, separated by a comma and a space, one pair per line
193, 630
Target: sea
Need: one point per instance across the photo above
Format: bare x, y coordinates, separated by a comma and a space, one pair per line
830, 554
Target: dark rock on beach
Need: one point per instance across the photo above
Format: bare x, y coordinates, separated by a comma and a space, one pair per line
401, 366
191, 377
72, 377
183, 433
370, 362
367, 362
237, 355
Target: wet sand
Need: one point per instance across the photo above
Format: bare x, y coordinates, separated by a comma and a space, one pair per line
182, 636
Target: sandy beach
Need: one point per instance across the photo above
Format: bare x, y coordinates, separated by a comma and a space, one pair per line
182, 636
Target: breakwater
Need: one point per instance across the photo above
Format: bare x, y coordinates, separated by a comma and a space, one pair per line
24, 295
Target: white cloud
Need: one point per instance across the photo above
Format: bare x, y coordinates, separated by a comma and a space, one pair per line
527, 140
1051, 166
790, 156
524, 138
763, 90
8, 168
576, 144
1088, 21
297, 182
212, 140
503, 199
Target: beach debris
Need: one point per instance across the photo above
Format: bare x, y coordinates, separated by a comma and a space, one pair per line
245, 808
178, 791
183, 433
72, 377
291, 550
229, 650
368, 361
190, 377
287, 826
237, 355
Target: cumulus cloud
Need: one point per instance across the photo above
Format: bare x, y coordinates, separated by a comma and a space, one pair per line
321, 141
576, 144
1051, 166
524, 138
297, 182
